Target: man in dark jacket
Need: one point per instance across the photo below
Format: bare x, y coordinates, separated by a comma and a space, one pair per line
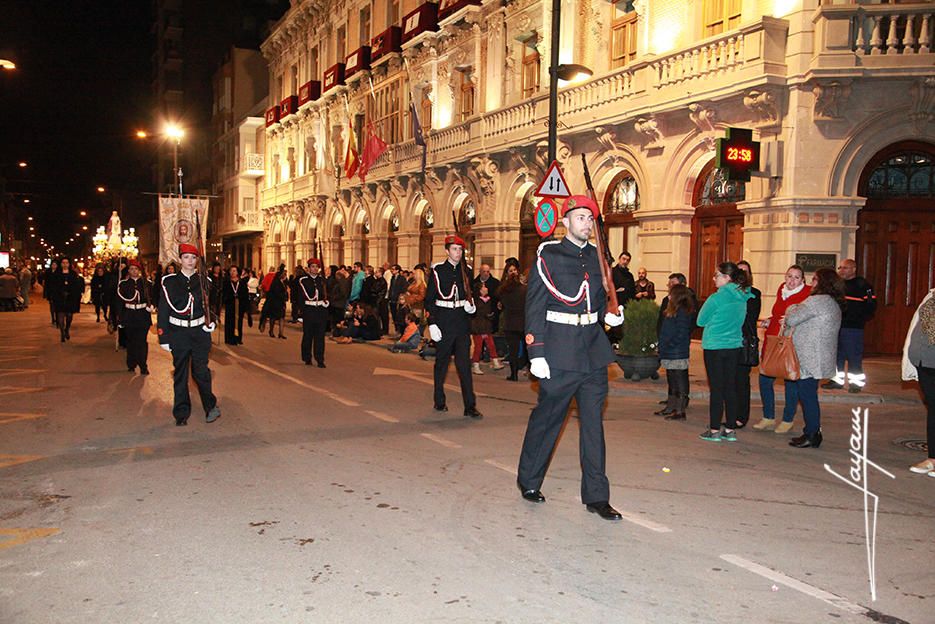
398, 286
860, 302
624, 283
338, 292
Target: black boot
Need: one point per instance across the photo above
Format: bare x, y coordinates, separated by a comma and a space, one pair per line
806, 441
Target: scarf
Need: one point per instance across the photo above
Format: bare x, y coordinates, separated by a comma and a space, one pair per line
788, 293
927, 319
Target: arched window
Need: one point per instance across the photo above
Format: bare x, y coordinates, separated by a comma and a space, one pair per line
621, 203
718, 189
625, 197
906, 174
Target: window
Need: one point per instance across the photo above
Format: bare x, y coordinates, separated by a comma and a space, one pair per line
295, 80
364, 26
530, 74
467, 96
392, 13
907, 174
281, 84
387, 109
313, 64
625, 197
340, 49
720, 16
623, 34
719, 190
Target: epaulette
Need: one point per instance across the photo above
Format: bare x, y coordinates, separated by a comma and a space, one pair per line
545, 244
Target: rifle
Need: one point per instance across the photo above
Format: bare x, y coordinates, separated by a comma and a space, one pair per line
210, 317
468, 291
603, 249
324, 280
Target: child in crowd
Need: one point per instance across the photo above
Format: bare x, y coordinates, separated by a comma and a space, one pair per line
482, 330
410, 338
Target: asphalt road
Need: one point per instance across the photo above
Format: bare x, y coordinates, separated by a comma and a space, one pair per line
338, 495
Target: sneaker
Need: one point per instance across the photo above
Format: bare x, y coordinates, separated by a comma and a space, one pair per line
710, 436
784, 427
728, 435
832, 385
924, 467
765, 424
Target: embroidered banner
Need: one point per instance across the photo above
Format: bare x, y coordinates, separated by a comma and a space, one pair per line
177, 225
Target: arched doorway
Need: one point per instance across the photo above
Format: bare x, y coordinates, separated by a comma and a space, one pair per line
363, 231
426, 223
620, 205
717, 227
337, 235
896, 238
392, 242
528, 239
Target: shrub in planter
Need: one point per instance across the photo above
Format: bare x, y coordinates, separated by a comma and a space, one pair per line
637, 348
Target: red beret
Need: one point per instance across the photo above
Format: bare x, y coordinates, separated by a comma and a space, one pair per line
314, 261
580, 201
454, 239
188, 249
135, 263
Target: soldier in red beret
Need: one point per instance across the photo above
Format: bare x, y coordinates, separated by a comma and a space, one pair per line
313, 297
134, 305
569, 353
185, 331
446, 301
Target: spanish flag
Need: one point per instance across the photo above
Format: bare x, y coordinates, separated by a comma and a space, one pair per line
351, 161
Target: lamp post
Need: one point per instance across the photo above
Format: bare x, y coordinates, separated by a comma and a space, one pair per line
176, 134
557, 72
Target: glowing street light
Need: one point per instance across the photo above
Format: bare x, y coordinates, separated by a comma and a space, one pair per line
27, 200
22, 164
83, 213
84, 227
174, 132
101, 189
7, 64
141, 134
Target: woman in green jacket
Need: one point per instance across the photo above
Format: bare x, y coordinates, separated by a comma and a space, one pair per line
722, 317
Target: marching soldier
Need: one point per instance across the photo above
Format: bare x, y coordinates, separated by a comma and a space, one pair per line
313, 298
569, 353
134, 309
448, 308
186, 332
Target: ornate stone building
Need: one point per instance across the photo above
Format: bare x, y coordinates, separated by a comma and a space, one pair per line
841, 96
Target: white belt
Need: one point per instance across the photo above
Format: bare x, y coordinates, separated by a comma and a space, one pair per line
315, 303
134, 306
571, 319
183, 323
450, 304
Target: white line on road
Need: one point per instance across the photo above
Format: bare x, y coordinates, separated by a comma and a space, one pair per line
318, 389
835, 601
643, 522
503, 467
382, 416
427, 381
440, 440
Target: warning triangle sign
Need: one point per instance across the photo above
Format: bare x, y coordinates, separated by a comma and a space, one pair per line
553, 184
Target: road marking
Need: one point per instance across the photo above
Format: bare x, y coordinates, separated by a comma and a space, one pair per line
15, 390
331, 395
8, 417
132, 451
429, 382
503, 467
835, 601
17, 358
646, 524
20, 371
15, 537
439, 440
382, 416
12, 460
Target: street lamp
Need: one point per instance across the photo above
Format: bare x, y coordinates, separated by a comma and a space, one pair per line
175, 133
7, 64
22, 164
101, 189
556, 71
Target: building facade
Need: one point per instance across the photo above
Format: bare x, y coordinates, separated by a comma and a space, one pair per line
840, 96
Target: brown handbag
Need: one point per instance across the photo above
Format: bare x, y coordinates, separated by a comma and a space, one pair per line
779, 359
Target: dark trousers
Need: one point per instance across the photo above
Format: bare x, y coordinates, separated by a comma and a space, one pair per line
927, 383
545, 424
808, 396
296, 308
233, 327
64, 323
137, 347
721, 365
677, 380
98, 306
313, 337
190, 348
514, 341
743, 393
460, 346
383, 311
53, 312
393, 305
851, 350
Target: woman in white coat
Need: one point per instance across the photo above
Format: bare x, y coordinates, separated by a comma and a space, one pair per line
919, 364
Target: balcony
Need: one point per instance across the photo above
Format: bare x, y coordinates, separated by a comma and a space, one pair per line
252, 166
851, 40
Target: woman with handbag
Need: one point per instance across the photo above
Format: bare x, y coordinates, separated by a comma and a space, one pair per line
793, 291
815, 324
722, 317
919, 364
750, 348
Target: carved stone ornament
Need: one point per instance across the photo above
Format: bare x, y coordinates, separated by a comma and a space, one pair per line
648, 129
830, 99
606, 137
763, 104
923, 103
487, 172
704, 116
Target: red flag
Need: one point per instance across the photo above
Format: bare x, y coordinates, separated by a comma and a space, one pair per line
372, 150
351, 161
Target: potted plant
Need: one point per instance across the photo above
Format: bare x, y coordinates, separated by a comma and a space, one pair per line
637, 354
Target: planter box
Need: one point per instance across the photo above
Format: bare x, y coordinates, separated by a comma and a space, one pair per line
637, 367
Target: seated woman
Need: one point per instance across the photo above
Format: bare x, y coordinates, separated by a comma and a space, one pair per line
410, 338
363, 325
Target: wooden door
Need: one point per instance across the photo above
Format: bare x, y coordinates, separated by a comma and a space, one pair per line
717, 228
425, 247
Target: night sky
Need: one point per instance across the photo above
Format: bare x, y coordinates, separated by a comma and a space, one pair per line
81, 88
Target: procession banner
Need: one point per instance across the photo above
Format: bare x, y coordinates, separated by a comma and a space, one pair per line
177, 225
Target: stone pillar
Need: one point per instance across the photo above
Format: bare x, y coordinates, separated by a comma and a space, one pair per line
408, 248
665, 244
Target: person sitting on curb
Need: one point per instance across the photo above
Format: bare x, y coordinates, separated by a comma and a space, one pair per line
410, 338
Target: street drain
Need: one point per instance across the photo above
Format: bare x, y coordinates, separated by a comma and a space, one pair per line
913, 444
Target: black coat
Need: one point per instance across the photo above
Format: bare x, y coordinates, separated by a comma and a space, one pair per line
181, 298
624, 284
446, 285
398, 286
134, 292
513, 300
675, 335
68, 291
232, 293
97, 287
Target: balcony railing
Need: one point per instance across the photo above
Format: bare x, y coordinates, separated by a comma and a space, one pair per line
252, 166
880, 36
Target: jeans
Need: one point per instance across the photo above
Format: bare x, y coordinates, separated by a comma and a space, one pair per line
722, 365
927, 383
808, 395
851, 350
769, 398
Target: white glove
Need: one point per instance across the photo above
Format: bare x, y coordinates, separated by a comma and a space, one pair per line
209, 327
435, 333
469, 307
540, 368
166, 347
614, 319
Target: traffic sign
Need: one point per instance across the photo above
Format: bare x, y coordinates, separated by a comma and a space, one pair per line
553, 184
546, 217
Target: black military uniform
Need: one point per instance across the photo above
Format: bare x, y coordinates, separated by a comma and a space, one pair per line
133, 312
313, 299
236, 300
181, 325
565, 307
445, 301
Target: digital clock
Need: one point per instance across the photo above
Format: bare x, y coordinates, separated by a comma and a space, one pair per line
738, 154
